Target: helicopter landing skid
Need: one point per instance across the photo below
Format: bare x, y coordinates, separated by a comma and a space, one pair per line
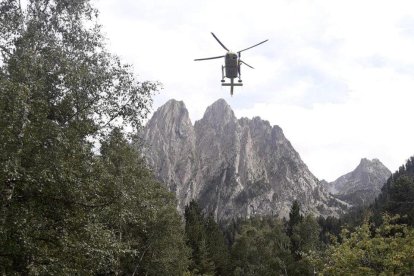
232, 84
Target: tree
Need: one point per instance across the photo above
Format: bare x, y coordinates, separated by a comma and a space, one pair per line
148, 231
388, 250
304, 234
201, 261
295, 218
304, 239
261, 248
63, 208
217, 248
330, 228
309, 231
397, 195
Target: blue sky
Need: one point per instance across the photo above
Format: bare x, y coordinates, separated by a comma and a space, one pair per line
336, 76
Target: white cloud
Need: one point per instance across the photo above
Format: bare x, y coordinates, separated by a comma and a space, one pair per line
337, 76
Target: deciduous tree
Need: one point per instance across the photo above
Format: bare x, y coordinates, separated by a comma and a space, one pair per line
64, 209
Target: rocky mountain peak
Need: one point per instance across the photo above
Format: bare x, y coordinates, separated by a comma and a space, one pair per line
370, 166
172, 105
220, 106
234, 168
363, 184
219, 113
169, 146
172, 118
366, 163
172, 110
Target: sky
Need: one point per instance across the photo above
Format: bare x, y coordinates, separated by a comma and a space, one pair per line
336, 76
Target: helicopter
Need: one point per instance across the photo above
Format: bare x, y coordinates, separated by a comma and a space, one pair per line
232, 61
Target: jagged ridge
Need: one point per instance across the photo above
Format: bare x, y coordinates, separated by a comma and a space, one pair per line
233, 167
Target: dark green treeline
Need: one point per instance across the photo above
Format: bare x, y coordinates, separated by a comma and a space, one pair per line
370, 240
256, 246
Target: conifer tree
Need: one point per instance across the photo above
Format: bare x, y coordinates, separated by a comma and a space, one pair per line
261, 248
217, 248
397, 195
295, 218
200, 262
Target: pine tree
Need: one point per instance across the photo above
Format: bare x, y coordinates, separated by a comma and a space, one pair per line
201, 261
217, 248
293, 229
294, 217
330, 228
397, 195
305, 239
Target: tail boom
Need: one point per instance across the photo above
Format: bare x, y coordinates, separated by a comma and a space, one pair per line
232, 84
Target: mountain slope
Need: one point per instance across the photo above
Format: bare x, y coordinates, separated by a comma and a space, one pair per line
362, 185
233, 167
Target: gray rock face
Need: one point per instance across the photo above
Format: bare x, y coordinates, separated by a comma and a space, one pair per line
362, 185
233, 167
170, 150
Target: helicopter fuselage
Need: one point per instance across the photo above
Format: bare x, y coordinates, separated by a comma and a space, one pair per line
231, 65
231, 70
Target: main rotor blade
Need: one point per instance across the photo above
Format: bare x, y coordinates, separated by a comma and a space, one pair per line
198, 59
222, 45
246, 64
253, 46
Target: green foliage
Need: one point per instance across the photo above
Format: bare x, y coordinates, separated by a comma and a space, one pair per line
64, 210
309, 231
397, 195
265, 246
217, 247
142, 214
330, 229
210, 254
261, 248
304, 235
294, 217
387, 250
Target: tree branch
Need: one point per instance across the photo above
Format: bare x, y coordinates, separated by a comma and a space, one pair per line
46, 5
140, 259
88, 105
4, 49
118, 113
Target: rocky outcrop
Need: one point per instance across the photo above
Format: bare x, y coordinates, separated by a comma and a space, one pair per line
233, 167
362, 185
170, 150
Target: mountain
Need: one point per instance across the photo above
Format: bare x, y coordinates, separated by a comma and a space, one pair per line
233, 167
362, 185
